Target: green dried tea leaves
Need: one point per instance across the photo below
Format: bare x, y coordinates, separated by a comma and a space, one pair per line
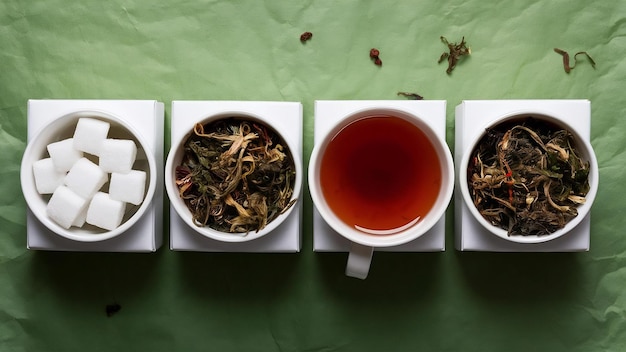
236, 175
454, 54
527, 178
566, 61
411, 96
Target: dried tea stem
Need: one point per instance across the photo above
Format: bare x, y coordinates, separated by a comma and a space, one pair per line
236, 178
413, 96
527, 178
454, 54
566, 61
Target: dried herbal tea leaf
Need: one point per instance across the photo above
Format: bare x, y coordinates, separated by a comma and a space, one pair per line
306, 36
566, 61
236, 175
454, 54
413, 96
112, 309
527, 177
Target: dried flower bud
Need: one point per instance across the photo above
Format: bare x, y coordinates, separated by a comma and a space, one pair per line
306, 36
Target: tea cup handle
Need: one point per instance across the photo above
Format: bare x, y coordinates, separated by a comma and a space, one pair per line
359, 260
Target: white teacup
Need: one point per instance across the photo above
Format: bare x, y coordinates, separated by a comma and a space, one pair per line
355, 217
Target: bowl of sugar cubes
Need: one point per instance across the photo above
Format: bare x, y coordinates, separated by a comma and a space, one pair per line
88, 176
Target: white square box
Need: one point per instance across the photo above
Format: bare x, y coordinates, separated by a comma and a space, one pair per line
287, 115
147, 117
327, 112
472, 117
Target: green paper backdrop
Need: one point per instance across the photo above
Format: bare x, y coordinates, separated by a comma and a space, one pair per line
250, 50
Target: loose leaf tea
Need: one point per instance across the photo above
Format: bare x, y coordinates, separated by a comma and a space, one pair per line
112, 309
413, 96
527, 177
565, 55
306, 36
236, 175
454, 54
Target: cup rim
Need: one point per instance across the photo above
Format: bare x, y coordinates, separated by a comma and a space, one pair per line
183, 212
583, 209
35, 201
403, 236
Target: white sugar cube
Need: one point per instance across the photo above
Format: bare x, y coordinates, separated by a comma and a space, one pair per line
80, 220
89, 134
117, 155
47, 178
129, 187
105, 212
63, 154
85, 178
65, 206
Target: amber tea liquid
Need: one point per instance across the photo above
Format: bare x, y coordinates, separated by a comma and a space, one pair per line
380, 174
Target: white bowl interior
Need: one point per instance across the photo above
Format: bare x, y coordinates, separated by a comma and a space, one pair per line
62, 128
401, 237
175, 157
585, 151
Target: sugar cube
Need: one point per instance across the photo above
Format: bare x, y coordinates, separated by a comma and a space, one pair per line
89, 134
117, 155
80, 220
63, 154
65, 206
47, 178
105, 212
129, 187
85, 178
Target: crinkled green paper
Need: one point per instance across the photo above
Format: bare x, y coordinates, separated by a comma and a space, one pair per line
250, 50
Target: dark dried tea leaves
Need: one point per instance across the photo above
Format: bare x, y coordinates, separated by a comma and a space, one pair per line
454, 54
527, 178
236, 175
413, 96
566, 61
306, 36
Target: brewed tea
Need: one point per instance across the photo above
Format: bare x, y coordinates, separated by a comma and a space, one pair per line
380, 174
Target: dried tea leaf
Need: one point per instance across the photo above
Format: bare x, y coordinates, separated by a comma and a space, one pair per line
454, 54
413, 96
566, 61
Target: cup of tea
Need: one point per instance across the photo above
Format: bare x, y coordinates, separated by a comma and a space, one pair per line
380, 178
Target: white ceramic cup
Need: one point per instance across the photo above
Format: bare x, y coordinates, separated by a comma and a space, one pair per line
63, 127
585, 151
364, 243
175, 158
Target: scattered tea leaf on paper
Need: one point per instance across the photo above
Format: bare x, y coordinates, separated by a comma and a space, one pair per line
413, 96
454, 54
112, 309
566, 59
306, 36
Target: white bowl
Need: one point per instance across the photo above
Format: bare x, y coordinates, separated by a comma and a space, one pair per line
62, 128
409, 233
175, 157
585, 151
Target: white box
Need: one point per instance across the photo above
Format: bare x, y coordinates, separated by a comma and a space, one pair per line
146, 116
287, 115
327, 112
472, 117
